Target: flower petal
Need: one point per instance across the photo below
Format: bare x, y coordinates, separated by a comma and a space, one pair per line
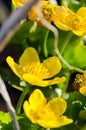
14, 66
32, 115
53, 65
61, 17
34, 80
37, 99
32, 14
82, 90
61, 121
79, 32
57, 105
82, 12
56, 80
29, 55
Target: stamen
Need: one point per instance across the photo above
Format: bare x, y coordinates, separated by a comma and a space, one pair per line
37, 69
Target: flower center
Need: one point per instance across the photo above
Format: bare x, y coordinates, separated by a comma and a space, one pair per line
47, 10
36, 69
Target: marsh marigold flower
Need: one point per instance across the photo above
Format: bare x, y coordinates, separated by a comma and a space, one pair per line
80, 83
63, 17
31, 70
66, 19
47, 10
46, 114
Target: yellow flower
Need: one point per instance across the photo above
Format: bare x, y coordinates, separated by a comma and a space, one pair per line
62, 16
47, 9
46, 114
66, 19
80, 83
31, 70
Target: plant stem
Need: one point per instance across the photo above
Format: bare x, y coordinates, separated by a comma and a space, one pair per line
20, 101
66, 41
45, 44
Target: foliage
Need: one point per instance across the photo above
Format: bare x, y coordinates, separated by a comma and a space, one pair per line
61, 78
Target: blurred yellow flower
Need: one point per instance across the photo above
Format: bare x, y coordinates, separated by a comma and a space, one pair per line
31, 70
46, 114
80, 83
66, 19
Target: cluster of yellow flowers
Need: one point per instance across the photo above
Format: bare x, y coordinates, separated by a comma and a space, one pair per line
36, 108
61, 16
31, 70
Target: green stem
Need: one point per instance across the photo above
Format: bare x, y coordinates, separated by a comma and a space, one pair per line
45, 44
64, 85
20, 101
66, 41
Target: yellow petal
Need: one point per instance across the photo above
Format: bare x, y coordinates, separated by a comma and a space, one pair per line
32, 115
53, 65
61, 17
32, 14
29, 55
57, 105
54, 107
15, 67
34, 80
56, 80
62, 26
37, 99
82, 90
61, 121
79, 33
82, 12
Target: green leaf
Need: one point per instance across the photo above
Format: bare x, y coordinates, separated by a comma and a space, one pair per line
5, 117
82, 114
76, 107
22, 33
80, 55
12, 79
76, 101
24, 122
66, 127
75, 53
